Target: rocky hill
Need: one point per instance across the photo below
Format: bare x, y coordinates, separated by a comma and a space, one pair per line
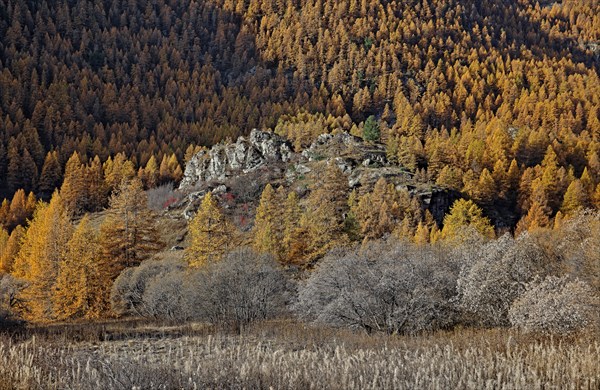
247, 165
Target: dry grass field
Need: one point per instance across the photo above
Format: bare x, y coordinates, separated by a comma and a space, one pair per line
286, 355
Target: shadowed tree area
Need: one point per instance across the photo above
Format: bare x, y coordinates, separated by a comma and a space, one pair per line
150, 78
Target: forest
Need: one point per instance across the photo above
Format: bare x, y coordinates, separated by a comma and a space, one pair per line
105, 264
496, 99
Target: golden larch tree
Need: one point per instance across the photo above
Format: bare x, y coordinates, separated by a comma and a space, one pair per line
74, 190
211, 233
77, 286
325, 209
465, 213
268, 229
128, 234
11, 249
38, 260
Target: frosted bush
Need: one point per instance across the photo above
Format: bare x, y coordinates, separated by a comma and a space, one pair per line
498, 276
242, 288
127, 295
556, 305
398, 288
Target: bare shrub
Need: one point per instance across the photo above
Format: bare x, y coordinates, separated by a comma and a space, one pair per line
556, 305
162, 297
9, 289
488, 286
577, 245
242, 288
248, 187
128, 295
394, 288
161, 197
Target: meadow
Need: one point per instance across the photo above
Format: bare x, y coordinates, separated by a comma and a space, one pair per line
290, 355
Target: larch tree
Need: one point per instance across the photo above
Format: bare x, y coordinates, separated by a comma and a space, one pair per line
51, 175
97, 187
292, 237
486, 188
465, 213
19, 210
175, 168
596, 197
39, 257
4, 236
116, 170
150, 173
164, 173
377, 212
11, 249
77, 286
211, 234
128, 234
576, 198
267, 232
325, 209
537, 217
73, 190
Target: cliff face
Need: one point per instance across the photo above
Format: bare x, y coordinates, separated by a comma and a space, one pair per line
265, 156
241, 157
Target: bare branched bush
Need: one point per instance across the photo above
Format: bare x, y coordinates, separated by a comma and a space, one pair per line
242, 288
556, 305
488, 286
162, 297
577, 245
9, 289
161, 197
129, 292
393, 288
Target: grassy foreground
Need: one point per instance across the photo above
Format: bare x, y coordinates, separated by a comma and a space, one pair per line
283, 355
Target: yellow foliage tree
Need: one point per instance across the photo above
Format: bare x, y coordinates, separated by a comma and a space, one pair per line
576, 198
465, 213
116, 170
77, 286
41, 253
596, 197
267, 234
11, 249
377, 212
74, 189
211, 234
323, 220
293, 242
4, 236
128, 234
537, 217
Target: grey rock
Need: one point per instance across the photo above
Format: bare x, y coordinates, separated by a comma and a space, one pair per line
346, 165
219, 189
245, 155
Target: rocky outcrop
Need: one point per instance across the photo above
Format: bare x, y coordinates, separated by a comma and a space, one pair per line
265, 156
243, 156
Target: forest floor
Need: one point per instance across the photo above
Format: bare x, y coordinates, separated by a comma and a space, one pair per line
284, 354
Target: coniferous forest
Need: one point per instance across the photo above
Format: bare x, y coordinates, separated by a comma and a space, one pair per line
492, 106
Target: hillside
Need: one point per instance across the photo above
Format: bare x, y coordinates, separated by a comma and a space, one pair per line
460, 89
